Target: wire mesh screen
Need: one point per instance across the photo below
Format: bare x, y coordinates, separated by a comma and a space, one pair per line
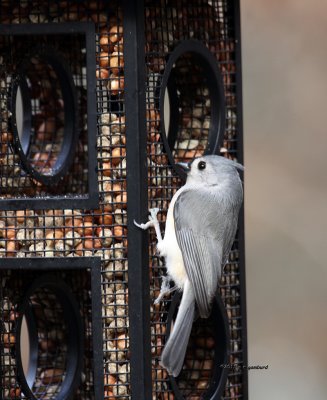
45, 152
184, 111
193, 100
68, 232
182, 128
57, 312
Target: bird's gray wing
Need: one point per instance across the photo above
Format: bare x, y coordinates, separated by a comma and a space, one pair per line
205, 226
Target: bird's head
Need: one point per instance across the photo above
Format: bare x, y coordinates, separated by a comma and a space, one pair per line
210, 170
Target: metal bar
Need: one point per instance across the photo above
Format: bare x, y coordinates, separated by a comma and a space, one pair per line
97, 335
240, 156
138, 257
2, 348
49, 28
87, 202
93, 189
51, 263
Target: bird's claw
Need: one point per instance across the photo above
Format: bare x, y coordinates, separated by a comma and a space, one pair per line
152, 219
165, 289
153, 213
142, 226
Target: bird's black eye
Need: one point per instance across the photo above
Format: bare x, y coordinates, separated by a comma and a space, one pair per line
202, 165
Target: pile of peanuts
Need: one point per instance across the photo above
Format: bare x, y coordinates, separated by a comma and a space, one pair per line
116, 342
111, 58
48, 138
51, 335
28, 233
195, 379
112, 183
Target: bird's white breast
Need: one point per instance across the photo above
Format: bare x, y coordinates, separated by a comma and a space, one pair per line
169, 248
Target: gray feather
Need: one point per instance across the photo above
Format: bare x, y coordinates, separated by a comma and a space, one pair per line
204, 279
173, 355
205, 226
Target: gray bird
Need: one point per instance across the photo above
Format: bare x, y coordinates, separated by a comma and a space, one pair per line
200, 229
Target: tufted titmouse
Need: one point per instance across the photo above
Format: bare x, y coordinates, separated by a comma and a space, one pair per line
200, 229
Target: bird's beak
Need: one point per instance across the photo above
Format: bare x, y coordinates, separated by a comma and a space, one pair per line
185, 166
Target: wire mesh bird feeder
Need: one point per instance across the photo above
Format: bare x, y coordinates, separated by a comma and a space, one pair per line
99, 100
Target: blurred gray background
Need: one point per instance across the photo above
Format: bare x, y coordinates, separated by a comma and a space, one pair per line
285, 108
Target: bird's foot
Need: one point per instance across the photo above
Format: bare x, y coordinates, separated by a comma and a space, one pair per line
165, 289
144, 226
153, 214
153, 221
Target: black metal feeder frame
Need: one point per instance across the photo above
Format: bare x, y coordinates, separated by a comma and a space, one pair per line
59, 300
49, 156
98, 101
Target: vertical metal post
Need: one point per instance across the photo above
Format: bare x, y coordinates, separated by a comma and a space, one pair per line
240, 157
136, 157
97, 327
2, 350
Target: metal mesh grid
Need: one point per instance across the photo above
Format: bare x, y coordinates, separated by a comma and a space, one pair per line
193, 103
37, 151
52, 351
103, 232
196, 377
212, 24
48, 337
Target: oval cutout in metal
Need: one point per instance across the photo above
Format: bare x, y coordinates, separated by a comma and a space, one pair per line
217, 330
55, 333
46, 141
191, 91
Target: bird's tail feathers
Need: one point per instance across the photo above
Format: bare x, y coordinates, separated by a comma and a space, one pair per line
173, 355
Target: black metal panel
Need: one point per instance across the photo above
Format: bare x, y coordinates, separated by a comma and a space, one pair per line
56, 299
60, 299
139, 302
203, 69
50, 161
169, 24
216, 328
